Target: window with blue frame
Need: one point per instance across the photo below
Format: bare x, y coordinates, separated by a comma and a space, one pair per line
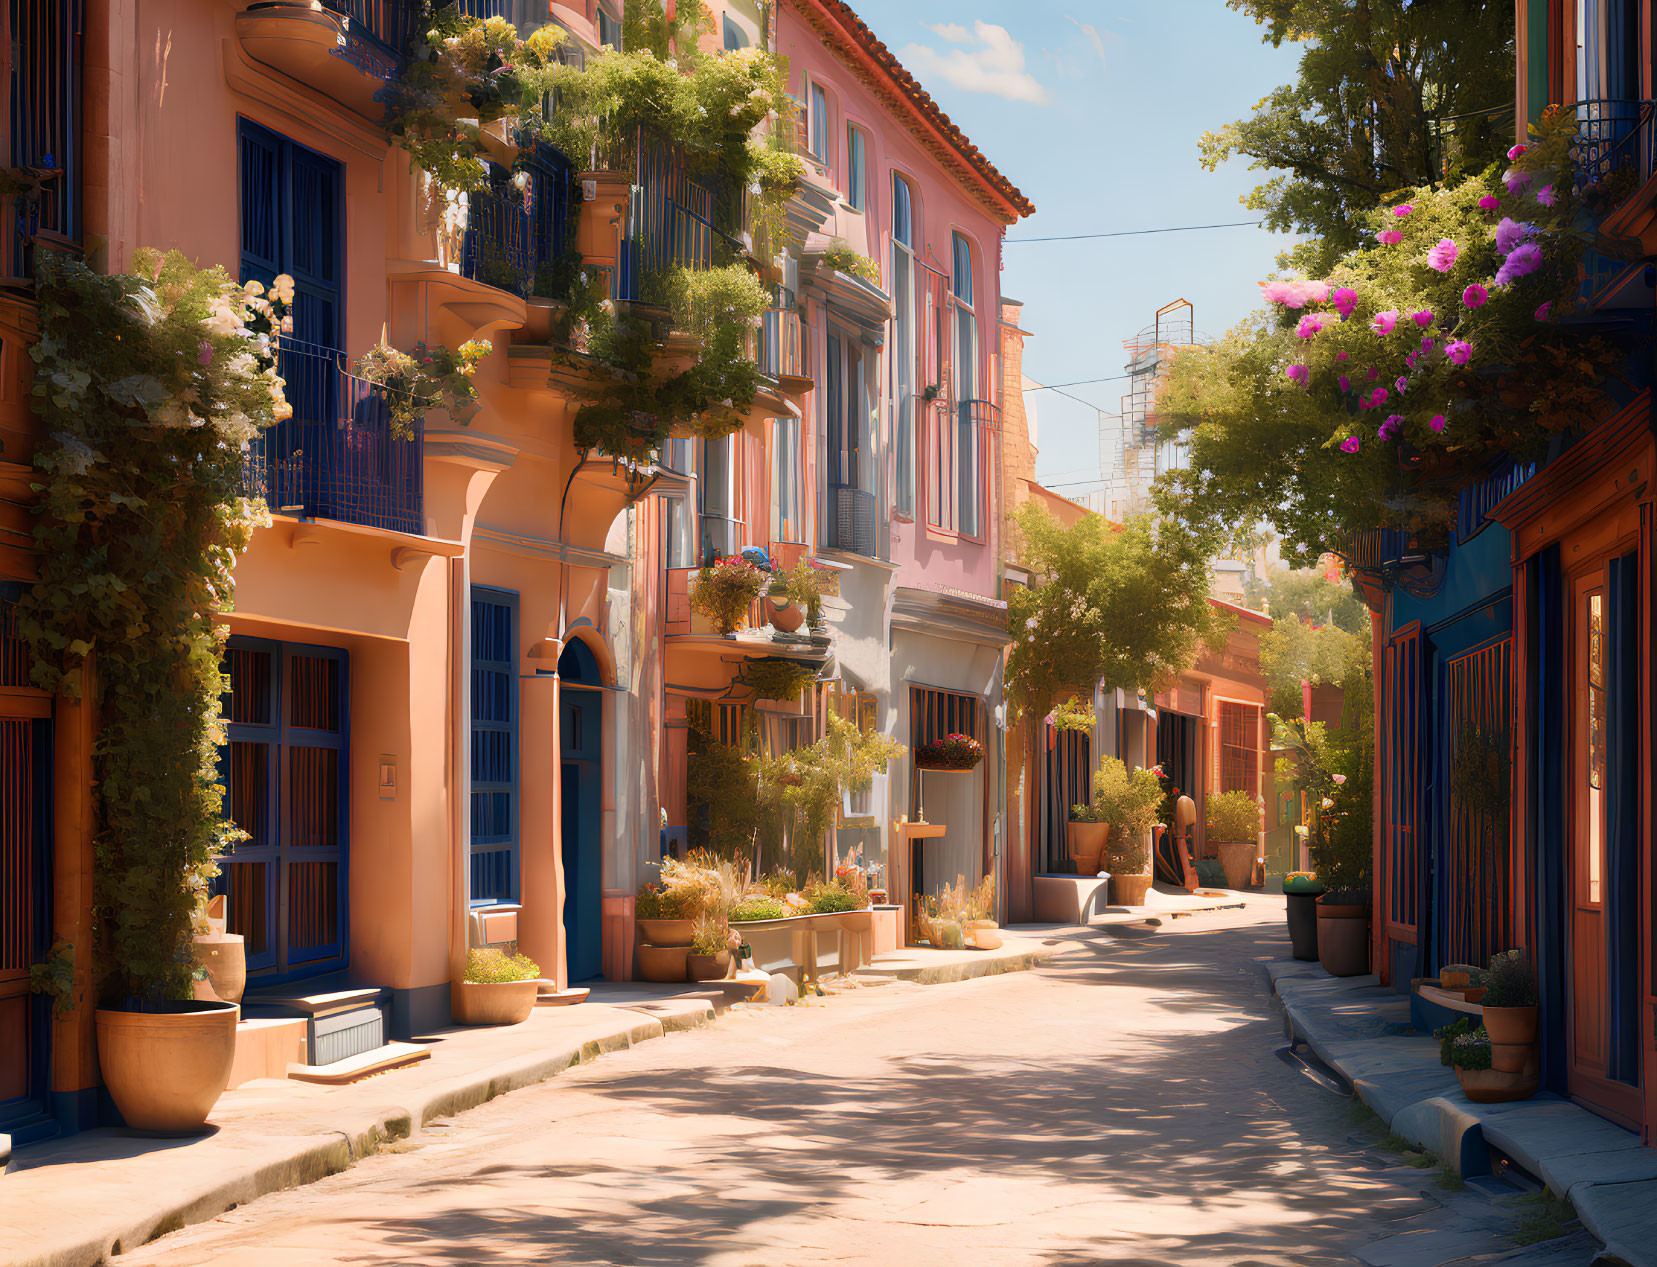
45, 129
902, 358
968, 492
494, 835
292, 221
856, 169
819, 123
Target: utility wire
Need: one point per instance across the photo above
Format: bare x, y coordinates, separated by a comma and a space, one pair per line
1080, 382
1135, 233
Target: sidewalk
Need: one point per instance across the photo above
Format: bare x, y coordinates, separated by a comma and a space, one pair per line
1363, 1031
87, 1198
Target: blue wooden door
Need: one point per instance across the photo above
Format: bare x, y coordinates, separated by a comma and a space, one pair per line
494, 836
581, 734
284, 766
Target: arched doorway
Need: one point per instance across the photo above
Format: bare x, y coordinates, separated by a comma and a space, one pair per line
581, 731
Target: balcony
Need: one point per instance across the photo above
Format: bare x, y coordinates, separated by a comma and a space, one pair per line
337, 457
43, 212
516, 238
779, 349
345, 50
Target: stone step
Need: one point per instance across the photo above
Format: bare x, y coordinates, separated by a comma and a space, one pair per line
363, 1065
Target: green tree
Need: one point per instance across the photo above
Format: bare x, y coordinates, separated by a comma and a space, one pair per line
1389, 94
1312, 596
1295, 650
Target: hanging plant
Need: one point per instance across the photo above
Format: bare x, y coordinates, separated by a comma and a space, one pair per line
843, 259
1073, 714
724, 591
415, 382
803, 584
777, 679
150, 387
952, 752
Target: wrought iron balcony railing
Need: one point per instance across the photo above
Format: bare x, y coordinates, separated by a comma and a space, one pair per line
44, 83
1612, 137
515, 238
337, 457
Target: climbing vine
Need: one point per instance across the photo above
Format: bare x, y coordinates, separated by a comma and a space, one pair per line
151, 387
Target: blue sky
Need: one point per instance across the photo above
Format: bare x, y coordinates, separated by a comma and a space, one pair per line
1094, 111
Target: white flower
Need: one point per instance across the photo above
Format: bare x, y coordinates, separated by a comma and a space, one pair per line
254, 287
221, 318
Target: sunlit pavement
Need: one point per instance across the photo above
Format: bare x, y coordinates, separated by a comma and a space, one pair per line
1123, 1104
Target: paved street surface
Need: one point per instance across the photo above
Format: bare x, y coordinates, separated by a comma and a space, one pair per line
1125, 1104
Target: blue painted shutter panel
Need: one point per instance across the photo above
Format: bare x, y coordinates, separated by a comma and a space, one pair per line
494, 746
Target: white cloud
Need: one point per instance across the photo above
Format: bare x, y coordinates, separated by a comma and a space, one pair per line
988, 60
1093, 36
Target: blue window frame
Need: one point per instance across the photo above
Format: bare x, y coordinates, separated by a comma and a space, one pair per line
293, 222
45, 92
819, 123
285, 765
856, 174
494, 837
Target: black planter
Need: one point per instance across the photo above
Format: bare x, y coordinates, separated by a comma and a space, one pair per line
1303, 924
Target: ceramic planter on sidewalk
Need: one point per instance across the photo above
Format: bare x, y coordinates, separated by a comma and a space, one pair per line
1343, 937
166, 1068
493, 1002
1087, 842
1237, 857
1129, 890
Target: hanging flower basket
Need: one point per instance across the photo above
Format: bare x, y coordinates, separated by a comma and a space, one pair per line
952, 752
725, 590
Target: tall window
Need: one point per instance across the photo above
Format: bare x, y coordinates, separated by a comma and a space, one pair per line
609, 29
902, 359
819, 123
721, 529
494, 848
966, 392
45, 94
787, 476
848, 430
1240, 748
856, 169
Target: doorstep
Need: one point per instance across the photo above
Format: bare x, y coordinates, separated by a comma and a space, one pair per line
1364, 1032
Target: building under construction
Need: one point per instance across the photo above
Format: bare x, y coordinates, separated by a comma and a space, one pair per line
1131, 453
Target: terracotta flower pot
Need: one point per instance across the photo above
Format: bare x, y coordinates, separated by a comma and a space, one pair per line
1237, 857
1511, 1024
1514, 1058
663, 963
666, 932
493, 1002
1129, 890
1343, 939
984, 933
1087, 841
708, 967
786, 615
225, 959
166, 1069
1493, 1086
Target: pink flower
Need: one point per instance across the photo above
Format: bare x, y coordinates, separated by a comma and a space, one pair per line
1389, 428
1349, 445
1516, 182
1427, 345
1474, 296
1346, 383
1410, 359
1372, 373
1380, 396
1294, 294
1436, 422
1345, 300
1389, 237
1297, 373
1443, 256
1544, 310
1339, 779
1459, 352
1383, 322
1490, 202
1402, 209
1521, 262
204, 352
1517, 150
1424, 318
1341, 356
1310, 324
1545, 196
1510, 233
1401, 383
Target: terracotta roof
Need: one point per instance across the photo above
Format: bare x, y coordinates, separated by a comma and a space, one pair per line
844, 31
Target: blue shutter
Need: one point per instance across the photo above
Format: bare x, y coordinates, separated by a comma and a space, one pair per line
494, 836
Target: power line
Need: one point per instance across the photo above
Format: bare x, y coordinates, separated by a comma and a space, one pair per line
1134, 232
1080, 382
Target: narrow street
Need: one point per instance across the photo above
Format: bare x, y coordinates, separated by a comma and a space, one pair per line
1124, 1104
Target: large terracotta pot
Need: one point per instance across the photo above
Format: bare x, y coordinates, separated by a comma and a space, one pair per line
225, 959
708, 967
1087, 841
786, 615
1129, 890
1343, 938
1494, 1086
493, 1002
166, 1069
1303, 924
663, 963
1237, 857
1511, 1024
666, 932
984, 933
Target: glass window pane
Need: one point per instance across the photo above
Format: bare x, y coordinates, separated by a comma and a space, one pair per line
963, 270
900, 210
819, 123
854, 168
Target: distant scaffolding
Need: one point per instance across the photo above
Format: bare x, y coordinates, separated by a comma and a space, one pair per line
1132, 453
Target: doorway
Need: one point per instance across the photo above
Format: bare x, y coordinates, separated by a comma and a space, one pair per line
1601, 905
581, 734
25, 923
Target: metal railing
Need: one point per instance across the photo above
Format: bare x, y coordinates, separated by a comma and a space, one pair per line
513, 236
1475, 502
1612, 136
337, 457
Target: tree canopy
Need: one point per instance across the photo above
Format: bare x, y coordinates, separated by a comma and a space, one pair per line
1390, 94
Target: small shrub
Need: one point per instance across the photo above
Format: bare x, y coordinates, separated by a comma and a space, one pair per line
776, 679
725, 590
488, 966
803, 584
708, 937
1129, 803
828, 898
1088, 814
1233, 816
1511, 981
655, 902
842, 258
758, 908
1447, 1035
1470, 1051
952, 752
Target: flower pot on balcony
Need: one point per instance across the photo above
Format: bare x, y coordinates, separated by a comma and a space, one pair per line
708, 967
666, 932
1237, 857
785, 614
166, 1068
1087, 841
493, 1002
663, 963
1343, 937
1129, 890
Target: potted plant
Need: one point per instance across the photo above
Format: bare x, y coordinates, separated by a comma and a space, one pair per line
1085, 835
1073, 714
1234, 829
1510, 1010
981, 928
1129, 803
1472, 1056
1301, 892
709, 958
796, 597
499, 989
952, 752
724, 591
664, 917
